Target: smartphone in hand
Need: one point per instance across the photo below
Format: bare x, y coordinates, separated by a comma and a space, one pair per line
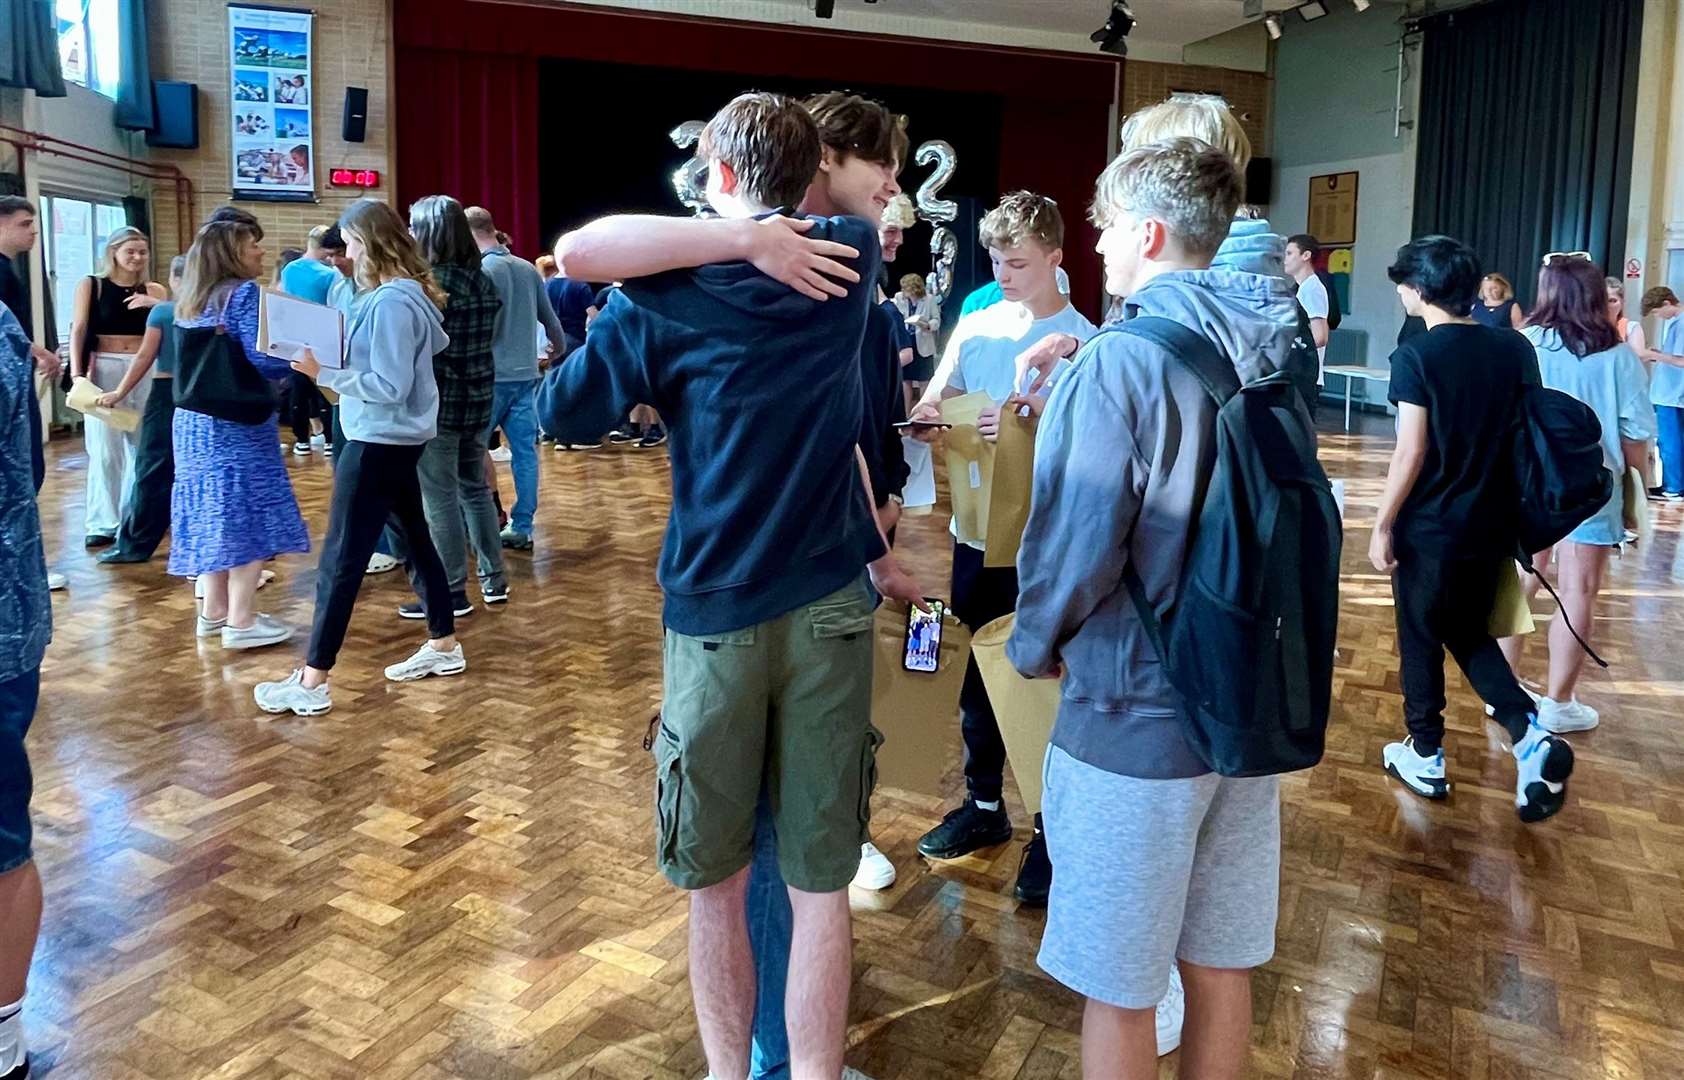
923, 638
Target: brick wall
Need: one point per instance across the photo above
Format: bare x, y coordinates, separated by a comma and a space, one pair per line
1146, 83
350, 42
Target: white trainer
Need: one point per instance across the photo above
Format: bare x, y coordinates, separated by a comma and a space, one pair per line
204, 627
429, 661
14, 1055
379, 564
1543, 763
876, 872
262, 631
502, 454
56, 581
1561, 717
291, 695
1172, 1010
1422, 775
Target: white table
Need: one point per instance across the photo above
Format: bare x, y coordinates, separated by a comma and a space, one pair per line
1350, 373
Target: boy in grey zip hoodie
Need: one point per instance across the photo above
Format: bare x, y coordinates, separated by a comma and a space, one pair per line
1158, 859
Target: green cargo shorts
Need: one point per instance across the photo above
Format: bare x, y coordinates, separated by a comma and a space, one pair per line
787, 704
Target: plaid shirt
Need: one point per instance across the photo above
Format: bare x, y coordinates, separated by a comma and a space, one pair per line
465, 369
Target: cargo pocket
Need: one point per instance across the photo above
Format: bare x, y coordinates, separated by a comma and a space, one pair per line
868, 778
669, 794
846, 614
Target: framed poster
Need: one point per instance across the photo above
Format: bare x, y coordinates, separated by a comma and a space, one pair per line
271, 92
1333, 209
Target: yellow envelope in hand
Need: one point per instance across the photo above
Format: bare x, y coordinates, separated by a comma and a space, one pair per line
84, 397
1025, 708
1510, 615
970, 465
1008, 494
1637, 516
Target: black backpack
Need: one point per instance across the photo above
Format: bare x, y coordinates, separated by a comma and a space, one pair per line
1560, 476
1249, 642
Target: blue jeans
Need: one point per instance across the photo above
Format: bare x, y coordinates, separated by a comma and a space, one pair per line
512, 410
1669, 423
770, 923
18, 697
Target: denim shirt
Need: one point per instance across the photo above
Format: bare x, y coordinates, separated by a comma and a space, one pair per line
26, 610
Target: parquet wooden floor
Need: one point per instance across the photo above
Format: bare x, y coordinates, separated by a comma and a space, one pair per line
454, 878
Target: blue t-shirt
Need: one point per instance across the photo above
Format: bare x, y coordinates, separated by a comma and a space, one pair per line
162, 319
570, 299
903, 337
1666, 383
308, 279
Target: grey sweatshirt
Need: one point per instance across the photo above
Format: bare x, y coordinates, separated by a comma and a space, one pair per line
525, 307
1122, 459
387, 392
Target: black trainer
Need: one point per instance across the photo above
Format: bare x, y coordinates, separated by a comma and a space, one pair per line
1034, 873
459, 603
965, 830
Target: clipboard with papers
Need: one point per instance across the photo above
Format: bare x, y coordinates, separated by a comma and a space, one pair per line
286, 325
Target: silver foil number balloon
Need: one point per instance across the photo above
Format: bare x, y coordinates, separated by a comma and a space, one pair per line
690, 179
931, 206
944, 249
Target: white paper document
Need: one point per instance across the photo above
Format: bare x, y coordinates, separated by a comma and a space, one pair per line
286, 325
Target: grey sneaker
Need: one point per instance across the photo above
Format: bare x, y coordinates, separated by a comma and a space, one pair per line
429, 661
262, 631
291, 695
209, 627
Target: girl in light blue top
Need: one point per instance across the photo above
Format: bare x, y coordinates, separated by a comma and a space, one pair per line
1580, 353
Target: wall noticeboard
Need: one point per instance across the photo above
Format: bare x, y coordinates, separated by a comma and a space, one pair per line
272, 93
1333, 209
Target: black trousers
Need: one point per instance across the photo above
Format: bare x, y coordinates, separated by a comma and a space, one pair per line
305, 403
980, 595
146, 513
373, 485
1446, 604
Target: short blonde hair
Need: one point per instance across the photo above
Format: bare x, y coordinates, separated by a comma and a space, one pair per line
1503, 282
1189, 185
899, 213
1020, 217
1205, 117
128, 234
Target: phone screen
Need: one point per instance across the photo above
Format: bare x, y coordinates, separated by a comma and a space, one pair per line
923, 638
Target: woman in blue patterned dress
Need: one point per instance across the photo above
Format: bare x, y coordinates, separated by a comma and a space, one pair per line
232, 506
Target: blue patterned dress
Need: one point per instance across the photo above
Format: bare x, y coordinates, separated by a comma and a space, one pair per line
232, 503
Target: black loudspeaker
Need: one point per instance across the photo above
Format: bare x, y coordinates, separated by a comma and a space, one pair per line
175, 111
355, 124
1260, 181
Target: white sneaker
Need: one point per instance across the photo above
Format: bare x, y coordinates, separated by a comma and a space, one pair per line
429, 661
302, 449
56, 581
876, 872
1170, 1013
1543, 763
204, 627
502, 454
318, 440
1561, 717
262, 631
291, 695
379, 564
265, 577
13, 1053
1422, 775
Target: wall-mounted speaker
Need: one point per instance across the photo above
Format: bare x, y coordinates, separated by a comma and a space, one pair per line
1260, 181
355, 124
175, 111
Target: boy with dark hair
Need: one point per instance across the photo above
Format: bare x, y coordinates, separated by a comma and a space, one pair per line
768, 650
1159, 859
1444, 530
1300, 262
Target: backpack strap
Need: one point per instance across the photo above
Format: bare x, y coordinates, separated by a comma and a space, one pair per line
1200, 357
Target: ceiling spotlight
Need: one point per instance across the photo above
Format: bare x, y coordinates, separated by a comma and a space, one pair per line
1113, 36
1361, 5
1312, 10
1272, 23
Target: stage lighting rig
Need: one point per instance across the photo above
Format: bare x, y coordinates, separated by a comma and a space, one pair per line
1113, 36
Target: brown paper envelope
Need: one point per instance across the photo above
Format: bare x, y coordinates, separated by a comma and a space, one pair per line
970, 465
83, 393
1024, 708
1510, 615
1008, 495
1637, 514
916, 711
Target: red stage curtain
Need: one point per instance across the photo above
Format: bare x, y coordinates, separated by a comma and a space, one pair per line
467, 126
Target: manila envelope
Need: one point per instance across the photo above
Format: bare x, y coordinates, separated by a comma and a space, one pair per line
82, 397
1637, 515
970, 465
1024, 708
1510, 615
917, 711
1008, 495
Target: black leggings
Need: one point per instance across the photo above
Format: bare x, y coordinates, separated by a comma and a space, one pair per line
305, 403
373, 485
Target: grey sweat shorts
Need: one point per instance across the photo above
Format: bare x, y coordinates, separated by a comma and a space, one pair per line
1149, 871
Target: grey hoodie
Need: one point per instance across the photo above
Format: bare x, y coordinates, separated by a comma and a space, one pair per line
386, 388
1122, 459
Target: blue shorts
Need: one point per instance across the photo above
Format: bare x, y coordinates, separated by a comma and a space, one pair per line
17, 709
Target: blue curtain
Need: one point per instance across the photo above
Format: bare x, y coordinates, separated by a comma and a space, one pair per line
29, 47
134, 84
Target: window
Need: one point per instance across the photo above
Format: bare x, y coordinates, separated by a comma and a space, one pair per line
87, 43
75, 231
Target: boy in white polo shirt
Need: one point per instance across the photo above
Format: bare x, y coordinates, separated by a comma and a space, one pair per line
1024, 236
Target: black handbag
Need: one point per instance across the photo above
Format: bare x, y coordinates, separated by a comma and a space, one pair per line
214, 377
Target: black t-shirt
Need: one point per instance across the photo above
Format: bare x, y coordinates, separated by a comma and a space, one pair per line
15, 295
1469, 379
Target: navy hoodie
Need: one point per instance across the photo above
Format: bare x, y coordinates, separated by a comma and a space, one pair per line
760, 390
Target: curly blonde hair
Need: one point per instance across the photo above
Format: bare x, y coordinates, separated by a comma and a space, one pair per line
388, 251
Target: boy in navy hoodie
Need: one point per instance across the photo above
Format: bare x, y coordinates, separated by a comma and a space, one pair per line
768, 647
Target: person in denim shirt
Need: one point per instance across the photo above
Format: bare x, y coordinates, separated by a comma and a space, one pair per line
26, 625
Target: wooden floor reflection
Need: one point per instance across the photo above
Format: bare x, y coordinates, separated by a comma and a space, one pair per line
454, 878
